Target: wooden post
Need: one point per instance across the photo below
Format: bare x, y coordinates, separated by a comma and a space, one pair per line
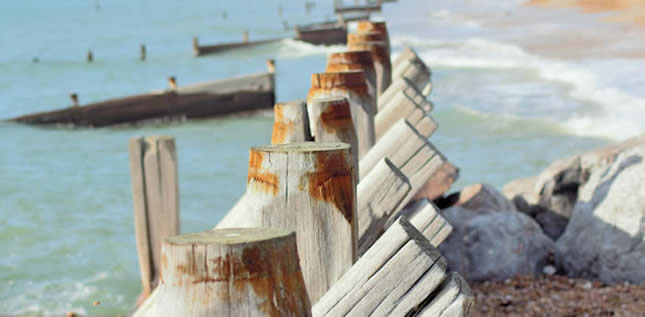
90, 56
74, 98
291, 123
330, 120
409, 104
407, 56
271, 65
439, 183
155, 193
354, 60
195, 46
172, 83
413, 77
380, 196
366, 26
245, 36
142, 51
307, 187
380, 55
351, 85
232, 272
454, 299
425, 216
393, 278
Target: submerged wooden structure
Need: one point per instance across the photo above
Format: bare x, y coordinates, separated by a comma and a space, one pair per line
196, 101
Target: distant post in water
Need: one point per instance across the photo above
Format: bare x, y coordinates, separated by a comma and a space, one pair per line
155, 193
74, 98
353, 86
90, 57
172, 82
142, 51
291, 123
195, 46
271, 65
245, 36
232, 272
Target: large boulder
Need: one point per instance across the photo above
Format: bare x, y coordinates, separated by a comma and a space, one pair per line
496, 244
483, 198
605, 235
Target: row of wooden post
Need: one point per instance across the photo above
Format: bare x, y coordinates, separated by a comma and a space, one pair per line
90, 54
341, 169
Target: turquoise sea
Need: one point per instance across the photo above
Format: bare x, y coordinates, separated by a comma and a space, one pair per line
515, 88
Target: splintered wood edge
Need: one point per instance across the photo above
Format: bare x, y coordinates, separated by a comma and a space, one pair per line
229, 236
328, 100
302, 147
292, 103
419, 238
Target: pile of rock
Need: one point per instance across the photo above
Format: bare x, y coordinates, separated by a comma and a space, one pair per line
584, 216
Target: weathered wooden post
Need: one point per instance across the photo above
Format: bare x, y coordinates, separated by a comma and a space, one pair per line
172, 83
195, 46
307, 187
232, 272
414, 76
351, 85
74, 98
354, 60
409, 104
245, 36
290, 123
155, 193
395, 277
90, 56
142, 52
271, 65
331, 122
380, 55
374, 27
428, 220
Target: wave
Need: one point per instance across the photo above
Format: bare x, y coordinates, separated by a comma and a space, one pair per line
291, 48
612, 111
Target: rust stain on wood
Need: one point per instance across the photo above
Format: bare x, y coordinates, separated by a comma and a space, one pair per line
281, 127
370, 26
336, 115
263, 180
332, 182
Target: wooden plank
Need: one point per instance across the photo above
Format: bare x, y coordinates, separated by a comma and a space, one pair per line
387, 271
203, 50
379, 196
155, 190
413, 77
322, 34
290, 123
408, 104
454, 300
232, 272
425, 216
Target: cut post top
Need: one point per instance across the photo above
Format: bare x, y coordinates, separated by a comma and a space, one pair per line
302, 147
362, 57
347, 79
366, 37
366, 26
229, 236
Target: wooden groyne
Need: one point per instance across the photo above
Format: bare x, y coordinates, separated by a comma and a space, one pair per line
201, 50
196, 101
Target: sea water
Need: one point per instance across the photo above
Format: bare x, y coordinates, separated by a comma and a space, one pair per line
515, 88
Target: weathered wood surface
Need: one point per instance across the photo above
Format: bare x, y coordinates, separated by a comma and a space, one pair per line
155, 194
351, 85
203, 100
426, 217
409, 104
394, 277
381, 58
352, 61
309, 188
232, 272
454, 300
202, 50
380, 195
331, 122
366, 26
413, 77
290, 123
358, 8
439, 183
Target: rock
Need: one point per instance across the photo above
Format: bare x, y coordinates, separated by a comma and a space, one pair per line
549, 270
483, 198
439, 183
605, 237
553, 224
523, 188
496, 245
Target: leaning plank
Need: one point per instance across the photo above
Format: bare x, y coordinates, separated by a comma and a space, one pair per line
232, 272
413, 77
454, 300
380, 195
353, 86
309, 188
407, 56
385, 275
290, 123
155, 191
425, 216
409, 104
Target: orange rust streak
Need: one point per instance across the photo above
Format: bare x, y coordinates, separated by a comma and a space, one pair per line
336, 115
263, 180
332, 182
281, 128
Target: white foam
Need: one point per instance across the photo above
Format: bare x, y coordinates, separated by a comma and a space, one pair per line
290, 48
612, 112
